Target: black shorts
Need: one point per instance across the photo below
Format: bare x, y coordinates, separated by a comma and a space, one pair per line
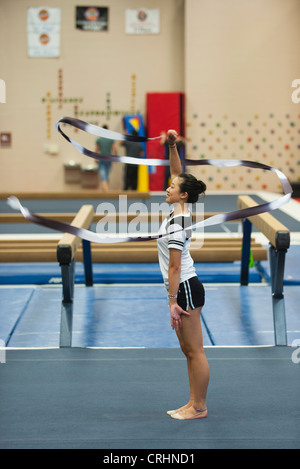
191, 293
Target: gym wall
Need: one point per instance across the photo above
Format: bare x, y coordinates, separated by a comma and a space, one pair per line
234, 60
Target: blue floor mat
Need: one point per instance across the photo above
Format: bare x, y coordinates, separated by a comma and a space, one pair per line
13, 305
291, 269
49, 273
138, 316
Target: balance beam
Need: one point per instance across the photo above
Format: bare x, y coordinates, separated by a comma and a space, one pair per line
75, 194
118, 217
66, 251
279, 241
45, 250
69, 243
276, 232
69, 250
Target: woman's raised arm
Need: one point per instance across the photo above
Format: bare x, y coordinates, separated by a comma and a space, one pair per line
175, 163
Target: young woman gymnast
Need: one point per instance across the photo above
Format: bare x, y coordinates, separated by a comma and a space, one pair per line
186, 292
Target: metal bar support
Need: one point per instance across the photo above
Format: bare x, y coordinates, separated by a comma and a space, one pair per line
66, 322
247, 229
87, 262
277, 261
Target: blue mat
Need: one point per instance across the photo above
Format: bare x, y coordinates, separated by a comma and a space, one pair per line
13, 305
49, 273
291, 270
138, 316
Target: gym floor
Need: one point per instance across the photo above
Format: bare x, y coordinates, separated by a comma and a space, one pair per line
123, 345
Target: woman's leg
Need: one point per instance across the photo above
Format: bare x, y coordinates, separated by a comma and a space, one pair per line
191, 400
191, 341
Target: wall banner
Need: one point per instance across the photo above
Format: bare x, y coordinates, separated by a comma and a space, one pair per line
142, 21
43, 32
92, 18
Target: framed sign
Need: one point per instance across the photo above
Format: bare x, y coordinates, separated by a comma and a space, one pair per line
43, 32
92, 18
142, 21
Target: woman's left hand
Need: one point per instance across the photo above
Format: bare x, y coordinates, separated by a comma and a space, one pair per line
176, 312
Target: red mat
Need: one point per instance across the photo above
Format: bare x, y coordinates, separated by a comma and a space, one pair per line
164, 111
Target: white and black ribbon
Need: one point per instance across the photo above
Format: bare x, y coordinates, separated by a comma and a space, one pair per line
213, 220
105, 133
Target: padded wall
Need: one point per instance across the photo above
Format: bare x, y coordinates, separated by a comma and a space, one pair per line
164, 111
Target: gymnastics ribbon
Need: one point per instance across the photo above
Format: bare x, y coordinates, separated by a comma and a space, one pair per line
213, 220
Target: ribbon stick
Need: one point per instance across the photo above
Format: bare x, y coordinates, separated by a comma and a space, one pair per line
213, 220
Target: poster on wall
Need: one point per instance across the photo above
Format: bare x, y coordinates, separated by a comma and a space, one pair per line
142, 21
92, 18
43, 32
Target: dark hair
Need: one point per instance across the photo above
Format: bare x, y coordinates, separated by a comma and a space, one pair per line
192, 186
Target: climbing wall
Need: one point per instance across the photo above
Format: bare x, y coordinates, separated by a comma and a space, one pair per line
270, 139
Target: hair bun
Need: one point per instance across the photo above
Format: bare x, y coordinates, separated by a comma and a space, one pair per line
201, 186
193, 187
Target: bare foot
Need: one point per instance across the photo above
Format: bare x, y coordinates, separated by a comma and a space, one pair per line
170, 412
190, 413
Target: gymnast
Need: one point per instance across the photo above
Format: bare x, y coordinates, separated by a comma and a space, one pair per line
185, 291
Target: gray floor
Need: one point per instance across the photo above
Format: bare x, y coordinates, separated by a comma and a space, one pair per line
91, 398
